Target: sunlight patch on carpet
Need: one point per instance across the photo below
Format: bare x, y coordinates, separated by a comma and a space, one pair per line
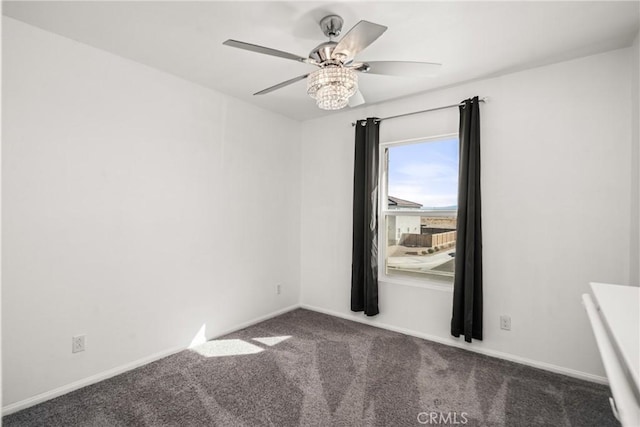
231, 347
271, 341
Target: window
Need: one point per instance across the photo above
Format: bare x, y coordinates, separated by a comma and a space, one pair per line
419, 197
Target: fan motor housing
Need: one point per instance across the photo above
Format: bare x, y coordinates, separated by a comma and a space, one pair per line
323, 52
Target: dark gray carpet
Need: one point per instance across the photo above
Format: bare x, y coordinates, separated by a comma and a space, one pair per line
330, 372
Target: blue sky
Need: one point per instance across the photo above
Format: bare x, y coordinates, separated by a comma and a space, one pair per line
425, 173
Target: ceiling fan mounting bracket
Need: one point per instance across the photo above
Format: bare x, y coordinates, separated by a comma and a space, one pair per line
331, 25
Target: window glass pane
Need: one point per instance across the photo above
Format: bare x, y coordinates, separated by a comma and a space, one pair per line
422, 177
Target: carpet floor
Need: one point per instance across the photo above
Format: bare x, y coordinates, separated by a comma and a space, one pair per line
310, 369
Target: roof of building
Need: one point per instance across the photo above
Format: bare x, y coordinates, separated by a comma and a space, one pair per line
400, 203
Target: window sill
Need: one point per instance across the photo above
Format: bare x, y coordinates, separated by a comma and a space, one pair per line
424, 284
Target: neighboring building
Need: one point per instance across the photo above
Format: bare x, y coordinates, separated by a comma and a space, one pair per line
395, 203
397, 225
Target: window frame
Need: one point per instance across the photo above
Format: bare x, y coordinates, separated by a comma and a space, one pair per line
384, 212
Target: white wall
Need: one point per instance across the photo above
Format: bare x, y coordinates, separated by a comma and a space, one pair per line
137, 207
1, 5
556, 143
635, 162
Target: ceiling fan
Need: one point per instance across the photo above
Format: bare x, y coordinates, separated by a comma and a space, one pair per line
335, 84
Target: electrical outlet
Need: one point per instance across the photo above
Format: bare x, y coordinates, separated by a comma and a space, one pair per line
278, 289
505, 322
77, 343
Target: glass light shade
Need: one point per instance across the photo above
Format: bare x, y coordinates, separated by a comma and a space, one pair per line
332, 86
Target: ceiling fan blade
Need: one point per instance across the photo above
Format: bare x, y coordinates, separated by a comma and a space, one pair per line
264, 50
281, 85
357, 39
400, 68
356, 99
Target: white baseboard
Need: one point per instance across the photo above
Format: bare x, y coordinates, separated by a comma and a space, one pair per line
455, 343
257, 320
48, 395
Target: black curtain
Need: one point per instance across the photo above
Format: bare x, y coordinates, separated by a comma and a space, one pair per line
467, 289
364, 264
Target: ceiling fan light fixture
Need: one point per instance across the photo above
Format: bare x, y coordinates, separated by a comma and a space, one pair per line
332, 86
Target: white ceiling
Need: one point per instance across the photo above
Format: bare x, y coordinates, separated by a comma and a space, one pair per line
472, 39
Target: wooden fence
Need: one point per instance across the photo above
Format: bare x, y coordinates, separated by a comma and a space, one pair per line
427, 240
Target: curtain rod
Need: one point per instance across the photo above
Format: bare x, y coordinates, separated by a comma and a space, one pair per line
425, 111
